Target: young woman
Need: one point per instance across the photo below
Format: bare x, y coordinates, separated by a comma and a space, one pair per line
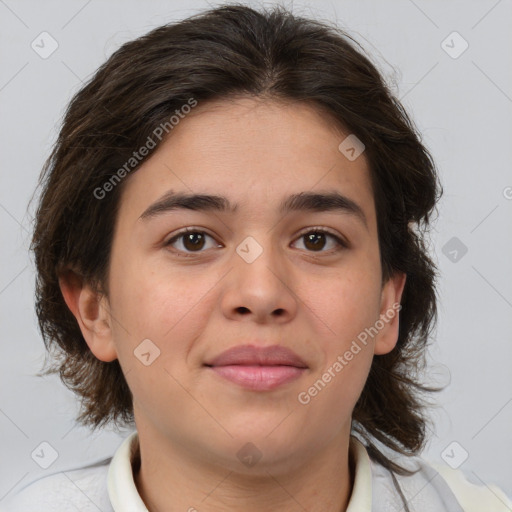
230, 255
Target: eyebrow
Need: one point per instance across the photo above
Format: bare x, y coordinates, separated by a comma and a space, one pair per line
304, 201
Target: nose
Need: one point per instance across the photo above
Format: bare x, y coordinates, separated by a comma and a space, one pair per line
260, 286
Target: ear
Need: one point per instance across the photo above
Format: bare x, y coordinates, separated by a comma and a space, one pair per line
392, 290
92, 312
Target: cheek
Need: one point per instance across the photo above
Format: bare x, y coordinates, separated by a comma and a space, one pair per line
156, 322
351, 305
331, 394
150, 303
347, 303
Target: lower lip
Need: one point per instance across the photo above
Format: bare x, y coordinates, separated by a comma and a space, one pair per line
259, 378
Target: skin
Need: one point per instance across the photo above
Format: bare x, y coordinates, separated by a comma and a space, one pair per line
191, 422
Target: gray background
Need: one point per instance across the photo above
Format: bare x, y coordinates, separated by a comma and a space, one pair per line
462, 106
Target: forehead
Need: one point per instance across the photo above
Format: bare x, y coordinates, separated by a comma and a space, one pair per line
255, 152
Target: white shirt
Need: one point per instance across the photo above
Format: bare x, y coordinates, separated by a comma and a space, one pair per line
108, 486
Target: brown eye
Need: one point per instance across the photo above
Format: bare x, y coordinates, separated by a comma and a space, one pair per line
193, 241
316, 240
190, 241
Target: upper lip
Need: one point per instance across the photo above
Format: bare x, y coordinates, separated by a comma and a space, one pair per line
275, 355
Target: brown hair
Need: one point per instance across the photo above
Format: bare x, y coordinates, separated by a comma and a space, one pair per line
230, 51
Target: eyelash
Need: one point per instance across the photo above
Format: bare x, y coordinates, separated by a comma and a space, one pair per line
340, 243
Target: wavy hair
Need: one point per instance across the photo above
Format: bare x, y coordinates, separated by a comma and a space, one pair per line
230, 51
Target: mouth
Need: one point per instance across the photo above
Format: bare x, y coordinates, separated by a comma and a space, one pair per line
258, 368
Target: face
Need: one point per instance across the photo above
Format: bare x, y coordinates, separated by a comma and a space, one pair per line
306, 278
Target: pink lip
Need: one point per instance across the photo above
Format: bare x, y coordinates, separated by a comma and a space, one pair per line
258, 368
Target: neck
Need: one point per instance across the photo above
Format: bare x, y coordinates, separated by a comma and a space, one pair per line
168, 479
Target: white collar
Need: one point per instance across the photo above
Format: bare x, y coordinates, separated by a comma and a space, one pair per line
124, 496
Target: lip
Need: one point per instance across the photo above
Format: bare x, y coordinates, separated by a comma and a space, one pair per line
258, 368
252, 355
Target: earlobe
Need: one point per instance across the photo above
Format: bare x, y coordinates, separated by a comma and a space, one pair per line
91, 311
392, 291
